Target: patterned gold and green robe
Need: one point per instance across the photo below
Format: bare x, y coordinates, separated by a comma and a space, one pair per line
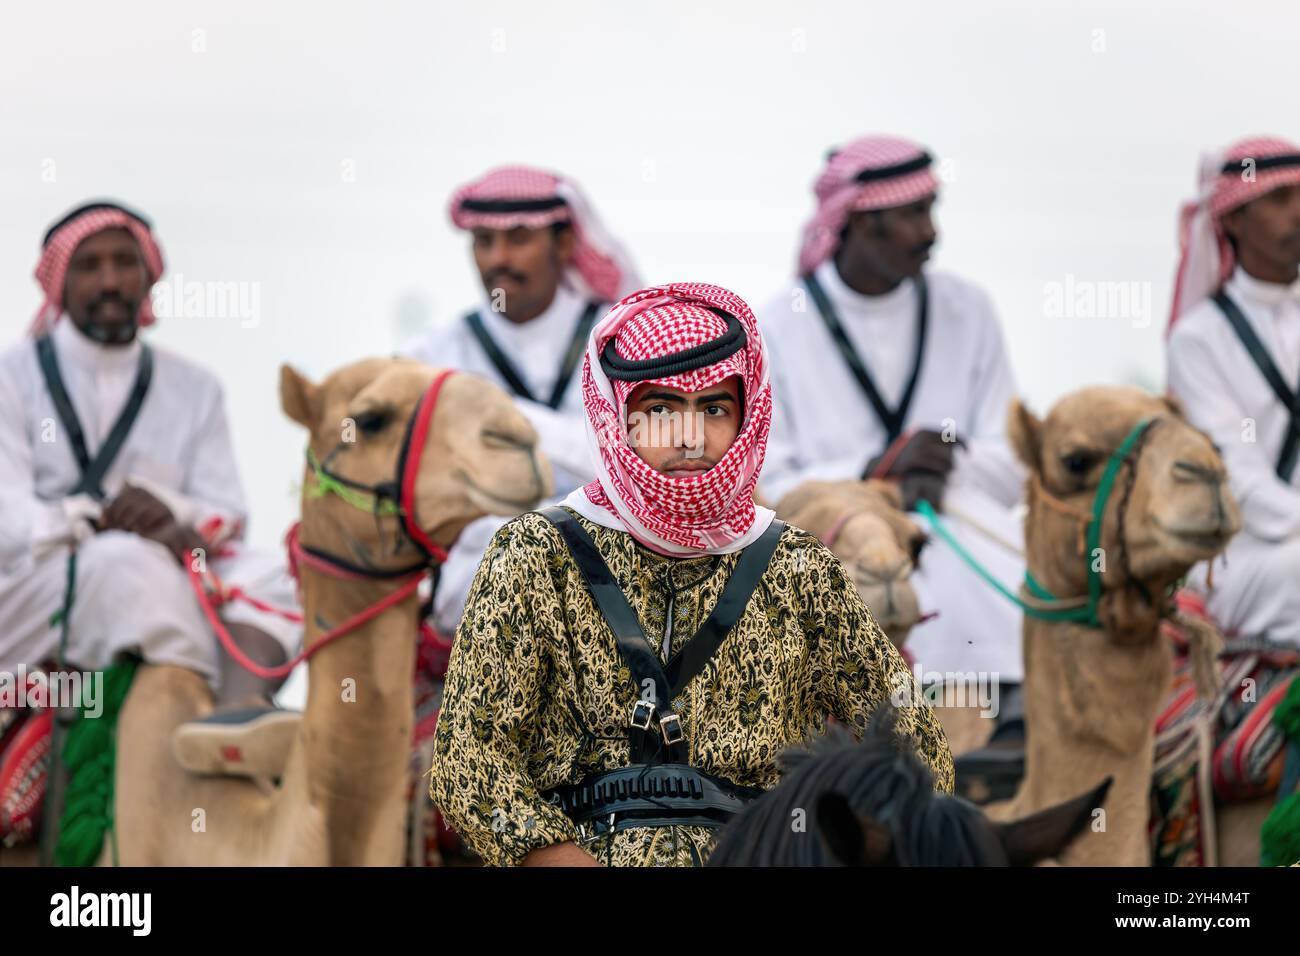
537, 695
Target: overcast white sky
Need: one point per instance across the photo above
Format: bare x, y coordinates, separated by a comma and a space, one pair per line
307, 152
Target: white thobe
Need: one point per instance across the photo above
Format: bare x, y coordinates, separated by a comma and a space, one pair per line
825, 428
1257, 584
536, 349
130, 594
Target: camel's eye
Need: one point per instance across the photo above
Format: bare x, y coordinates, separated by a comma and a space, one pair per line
1079, 463
373, 422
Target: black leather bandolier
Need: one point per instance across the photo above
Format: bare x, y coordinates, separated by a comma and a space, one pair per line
892, 419
94, 469
1286, 459
510, 375
660, 788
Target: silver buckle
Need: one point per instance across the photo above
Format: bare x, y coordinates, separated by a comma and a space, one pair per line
643, 724
671, 720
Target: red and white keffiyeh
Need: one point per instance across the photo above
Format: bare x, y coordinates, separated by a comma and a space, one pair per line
905, 176
1228, 179
709, 513
534, 199
52, 269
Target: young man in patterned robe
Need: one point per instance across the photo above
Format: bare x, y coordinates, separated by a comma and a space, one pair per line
598, 649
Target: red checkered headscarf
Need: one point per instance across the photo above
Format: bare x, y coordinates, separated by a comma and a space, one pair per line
712, 512
1228, 180
61, 242
875, 172
512, 196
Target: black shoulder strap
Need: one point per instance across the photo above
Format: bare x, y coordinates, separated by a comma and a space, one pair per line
577, 345
740, 587
500, 361
632, 641
633, 644
93, 470
892, 419
1286, 459
62, 403
510, 374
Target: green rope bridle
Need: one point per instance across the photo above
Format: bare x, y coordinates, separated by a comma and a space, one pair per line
327, 484
1041, 603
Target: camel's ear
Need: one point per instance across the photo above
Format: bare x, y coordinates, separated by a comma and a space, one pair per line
1174, 405
299, 397
850, 839
1047, 833
1025, 432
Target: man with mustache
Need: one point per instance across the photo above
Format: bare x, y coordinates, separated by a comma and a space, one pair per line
631, 663
548, 269
116, 473
1234, 362
883, 367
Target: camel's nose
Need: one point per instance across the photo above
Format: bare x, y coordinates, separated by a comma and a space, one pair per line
1216, 477
507, 442
887, 575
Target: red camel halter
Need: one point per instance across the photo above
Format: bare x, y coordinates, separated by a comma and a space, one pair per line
391, 497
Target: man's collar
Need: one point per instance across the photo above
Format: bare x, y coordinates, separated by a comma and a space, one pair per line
842, 295
562, 311
1268, 294
76, 348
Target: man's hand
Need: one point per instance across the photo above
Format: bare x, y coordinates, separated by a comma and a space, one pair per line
560, 854
136, 511
918, 485
921, 467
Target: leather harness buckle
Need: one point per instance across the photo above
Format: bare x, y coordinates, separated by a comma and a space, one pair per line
643, 723
671, 727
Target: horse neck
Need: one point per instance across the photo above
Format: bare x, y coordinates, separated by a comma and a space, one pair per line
356, 729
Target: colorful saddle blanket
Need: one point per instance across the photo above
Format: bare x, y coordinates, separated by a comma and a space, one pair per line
1222, 750
24, 762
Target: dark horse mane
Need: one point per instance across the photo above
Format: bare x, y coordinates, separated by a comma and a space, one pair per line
880, 779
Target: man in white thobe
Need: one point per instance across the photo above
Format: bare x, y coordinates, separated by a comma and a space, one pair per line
882, 367
1234, 364
119, 454
549, 272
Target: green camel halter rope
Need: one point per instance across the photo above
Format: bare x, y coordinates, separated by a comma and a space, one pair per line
365, 500
1045, 605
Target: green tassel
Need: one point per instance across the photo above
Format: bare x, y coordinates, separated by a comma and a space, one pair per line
1279, 837
89, 755
1287, 713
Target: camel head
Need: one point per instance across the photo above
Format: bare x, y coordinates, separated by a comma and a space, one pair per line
479, 458
1168, 509
864, 525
